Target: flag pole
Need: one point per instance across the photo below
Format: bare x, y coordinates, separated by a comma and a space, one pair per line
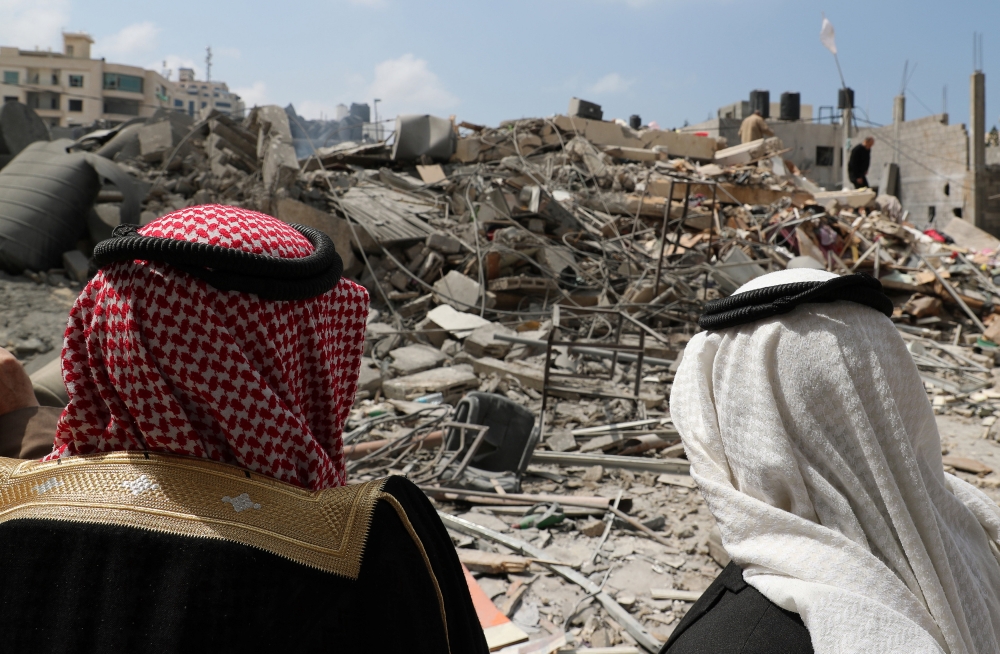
843, 84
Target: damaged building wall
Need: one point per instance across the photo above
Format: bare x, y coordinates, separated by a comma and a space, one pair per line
933, 166
814, 148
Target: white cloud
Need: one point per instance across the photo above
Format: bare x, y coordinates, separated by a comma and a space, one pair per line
407, 85
255, 94
609, 84
29, 23
132, 40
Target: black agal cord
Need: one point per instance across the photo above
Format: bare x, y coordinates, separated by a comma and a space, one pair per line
769, 301
228, 269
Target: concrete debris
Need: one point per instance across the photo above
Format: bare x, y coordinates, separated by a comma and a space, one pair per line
559, 264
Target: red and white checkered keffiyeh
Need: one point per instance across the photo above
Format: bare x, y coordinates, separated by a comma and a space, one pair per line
155, 359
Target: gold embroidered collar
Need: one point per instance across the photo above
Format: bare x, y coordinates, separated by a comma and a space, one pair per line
194, 497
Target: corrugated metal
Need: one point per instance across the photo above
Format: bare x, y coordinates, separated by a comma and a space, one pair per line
45, 194
389, 216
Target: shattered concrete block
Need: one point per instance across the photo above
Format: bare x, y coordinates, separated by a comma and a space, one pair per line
399, 280
280, 166
75, 263
461, 292
458, 323
444, 243
592, 528
414, 307
451, 382
415, 358
556, 258
482, 343
155, 139
370, 378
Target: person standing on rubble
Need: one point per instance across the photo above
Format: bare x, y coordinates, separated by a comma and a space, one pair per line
813, 442
857, 165
195, 497
754, 128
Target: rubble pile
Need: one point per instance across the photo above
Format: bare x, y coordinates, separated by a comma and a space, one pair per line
550, 272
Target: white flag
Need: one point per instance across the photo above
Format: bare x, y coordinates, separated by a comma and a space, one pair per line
826, 36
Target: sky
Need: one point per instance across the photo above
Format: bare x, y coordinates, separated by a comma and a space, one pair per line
672, 61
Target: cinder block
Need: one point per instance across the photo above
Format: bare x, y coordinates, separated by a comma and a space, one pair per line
76, 265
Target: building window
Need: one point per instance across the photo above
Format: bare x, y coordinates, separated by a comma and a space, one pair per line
121, 106
179, 103
69, 51
824, 155
55, 77
76, 105
192, 91
224, 105
116, 82
76, 81
11, 98
11, 77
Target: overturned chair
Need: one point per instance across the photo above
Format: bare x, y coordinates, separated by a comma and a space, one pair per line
488, 444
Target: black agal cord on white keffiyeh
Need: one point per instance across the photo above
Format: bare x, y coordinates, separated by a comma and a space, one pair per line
760, 303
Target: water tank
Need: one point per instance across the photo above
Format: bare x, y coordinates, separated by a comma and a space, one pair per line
790, 106
761, 101
634, 121
845, 98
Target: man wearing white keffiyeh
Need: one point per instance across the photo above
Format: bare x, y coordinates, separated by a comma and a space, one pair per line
812, 440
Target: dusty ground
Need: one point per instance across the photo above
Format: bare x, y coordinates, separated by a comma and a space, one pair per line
33, 316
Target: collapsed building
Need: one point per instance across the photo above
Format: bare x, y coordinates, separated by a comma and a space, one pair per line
533, 286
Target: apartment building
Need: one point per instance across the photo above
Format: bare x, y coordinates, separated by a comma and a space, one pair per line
194, 97
70, 88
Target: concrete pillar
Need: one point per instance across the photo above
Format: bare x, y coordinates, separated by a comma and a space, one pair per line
899, 109
844, 175
977, 150
898, 118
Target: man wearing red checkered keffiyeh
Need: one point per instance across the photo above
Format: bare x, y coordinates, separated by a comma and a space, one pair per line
159, 360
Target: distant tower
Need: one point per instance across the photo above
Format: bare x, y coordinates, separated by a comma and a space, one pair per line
208, 64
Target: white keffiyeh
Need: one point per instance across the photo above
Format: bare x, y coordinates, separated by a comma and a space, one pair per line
813, 442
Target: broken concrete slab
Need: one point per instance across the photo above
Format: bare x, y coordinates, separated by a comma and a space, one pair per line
155, 140
481, 343
458, 323
370, 378
747, 152
461, 292
451, 382
412, 359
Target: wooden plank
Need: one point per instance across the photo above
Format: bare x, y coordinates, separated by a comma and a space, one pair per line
492, 563
674, 594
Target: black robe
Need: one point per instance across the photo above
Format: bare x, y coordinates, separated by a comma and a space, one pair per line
733, 617
119, 553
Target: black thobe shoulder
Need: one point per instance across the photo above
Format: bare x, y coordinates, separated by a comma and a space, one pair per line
733, 617
124, 553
